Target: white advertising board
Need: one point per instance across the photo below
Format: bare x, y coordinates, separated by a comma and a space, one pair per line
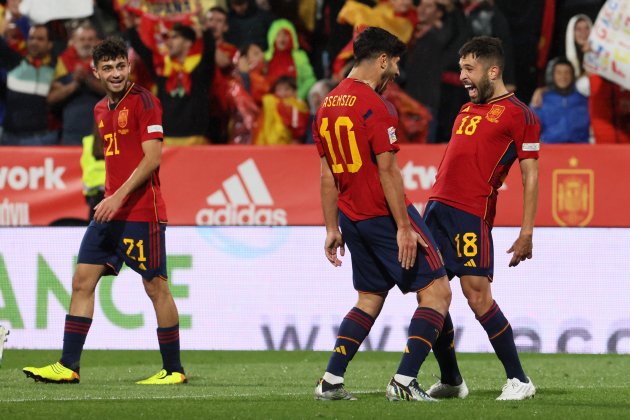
271, 288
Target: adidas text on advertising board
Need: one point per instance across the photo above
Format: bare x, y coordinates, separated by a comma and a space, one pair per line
243, 199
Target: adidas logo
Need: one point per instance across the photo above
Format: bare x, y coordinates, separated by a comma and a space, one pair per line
470, 263
341, 349
243, 200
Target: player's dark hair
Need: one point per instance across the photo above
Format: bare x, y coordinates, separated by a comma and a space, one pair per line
185, 32
484, 48
373, 42
110, 49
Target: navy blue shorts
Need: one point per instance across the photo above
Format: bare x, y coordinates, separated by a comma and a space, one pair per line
140, 245
464, 239
374, 251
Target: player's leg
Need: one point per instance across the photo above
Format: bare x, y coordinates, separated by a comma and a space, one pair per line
95, 259
433, 292
168, 330
354, 328
424, 327
144, 247
479, 295
372, 290
439, 219
79, 319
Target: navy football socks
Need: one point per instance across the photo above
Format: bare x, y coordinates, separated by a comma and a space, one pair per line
169, 348
352, 331
75, 331
444, 351
424, 328
502, 340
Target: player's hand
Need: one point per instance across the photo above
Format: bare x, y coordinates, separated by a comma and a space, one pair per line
408, 240
334, 241
522, 249
106, 209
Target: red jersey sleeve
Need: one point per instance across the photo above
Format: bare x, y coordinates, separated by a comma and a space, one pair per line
151, 119
526, 134
382, 127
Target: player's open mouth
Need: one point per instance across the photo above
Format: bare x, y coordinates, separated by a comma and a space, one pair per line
472, 90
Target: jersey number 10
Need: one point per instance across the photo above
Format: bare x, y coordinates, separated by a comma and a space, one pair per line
354, 163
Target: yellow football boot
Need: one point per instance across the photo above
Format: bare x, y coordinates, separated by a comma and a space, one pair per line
165, 378
55, 373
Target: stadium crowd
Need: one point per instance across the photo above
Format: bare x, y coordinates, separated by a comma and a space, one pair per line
255, 71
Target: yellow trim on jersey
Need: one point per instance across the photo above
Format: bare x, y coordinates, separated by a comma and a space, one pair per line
500, 98
121, 99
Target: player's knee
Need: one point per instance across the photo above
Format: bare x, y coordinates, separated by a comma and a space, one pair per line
82, 283
479, 303
156, 289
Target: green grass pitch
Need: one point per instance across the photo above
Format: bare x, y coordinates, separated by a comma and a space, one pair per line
279, 385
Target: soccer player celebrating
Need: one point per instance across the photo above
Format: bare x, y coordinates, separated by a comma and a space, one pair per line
128, 225
489, 134
362, 193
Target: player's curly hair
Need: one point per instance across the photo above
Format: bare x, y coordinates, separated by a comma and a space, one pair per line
110, 49
485, 48
373, 41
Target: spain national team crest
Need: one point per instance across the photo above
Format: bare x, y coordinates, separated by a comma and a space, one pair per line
573, 195
122, 117
494, 113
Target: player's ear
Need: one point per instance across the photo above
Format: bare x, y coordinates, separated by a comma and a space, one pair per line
94, 72
382, 61
494, 72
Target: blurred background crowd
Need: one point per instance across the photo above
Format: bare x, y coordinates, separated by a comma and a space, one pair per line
255, 71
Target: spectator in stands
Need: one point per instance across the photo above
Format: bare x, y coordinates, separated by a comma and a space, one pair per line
75, 89
285, 57
253, 71
486, 19
576, 44
17, 24
183, 79
285, 117
452, 94
423, 66
563, 115
28, 83
248, 24
404, 9
224, 56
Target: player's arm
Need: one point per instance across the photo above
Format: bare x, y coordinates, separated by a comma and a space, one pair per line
393, 187
522, 247
107, 208
329, 194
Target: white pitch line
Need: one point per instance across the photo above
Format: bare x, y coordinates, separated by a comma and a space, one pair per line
172, 397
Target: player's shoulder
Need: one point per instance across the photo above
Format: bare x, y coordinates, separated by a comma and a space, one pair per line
519, 109
143, 96
101, 105
360, 97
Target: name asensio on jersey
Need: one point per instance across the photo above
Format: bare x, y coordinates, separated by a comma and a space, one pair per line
339, 100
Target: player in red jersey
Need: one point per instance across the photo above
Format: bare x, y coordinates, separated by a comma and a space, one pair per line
362, 193
129, 224
489, 134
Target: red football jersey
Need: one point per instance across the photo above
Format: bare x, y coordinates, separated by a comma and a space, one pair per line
486, 140
136, 118
352, 126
